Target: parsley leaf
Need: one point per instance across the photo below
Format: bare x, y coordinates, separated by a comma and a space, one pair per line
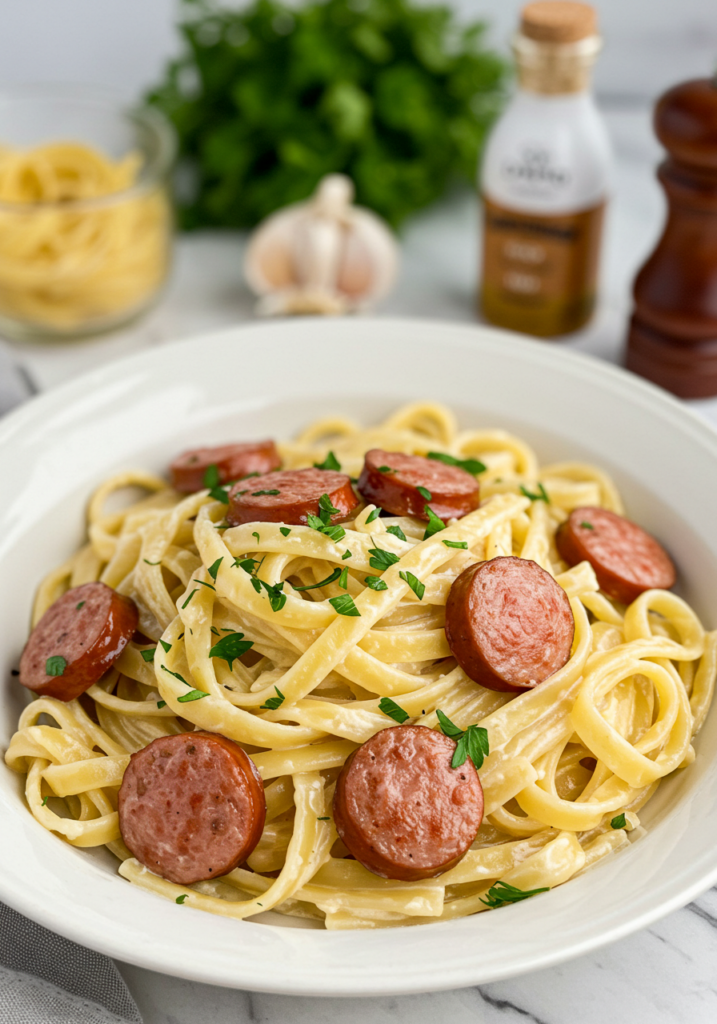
322, 522
425, 493
219, 494
330, 462
376, 583
277, 600
542, 494
247, 564
326, 507
435, 525
587, 526
44, 800
619, 821
344, 578
203, 584
258, 538
418, 588
55, 666
382, 559
182, 898
396, 531
374, 515
195, 591
192, 695
284, 531
214, 568
472, 743
393, 710
386, 469
79, 605
473, 466
501, 893
161, 703
463, 545
346, 554
231, 647
176, 675
212, 476
258, 494
344, 605
148, 653
329, 579
167, 647
272, 703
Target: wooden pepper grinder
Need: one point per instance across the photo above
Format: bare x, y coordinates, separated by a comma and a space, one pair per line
673, 331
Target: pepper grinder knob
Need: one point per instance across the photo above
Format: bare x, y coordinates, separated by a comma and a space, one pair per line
673, 331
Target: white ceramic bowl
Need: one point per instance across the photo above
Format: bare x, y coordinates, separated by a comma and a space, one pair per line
269, 380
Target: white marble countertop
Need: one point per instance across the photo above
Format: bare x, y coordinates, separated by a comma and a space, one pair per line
663, 975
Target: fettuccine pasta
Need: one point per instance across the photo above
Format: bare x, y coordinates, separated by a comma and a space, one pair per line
572, 761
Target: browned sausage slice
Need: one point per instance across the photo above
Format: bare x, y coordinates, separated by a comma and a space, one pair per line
508, 623
78, 638
191, 806
401, 809
233, 461
289, 496
392, 480
627, 560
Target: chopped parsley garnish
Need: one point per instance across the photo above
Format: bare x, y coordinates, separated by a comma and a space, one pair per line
148, 653
344, 605
78, 606
231, 647
425, 493
182, 898
272, 703
258, 538
619, 822
203, 584
220, 494
462, 544
214, 568
344, 578
147, 561
393, 710
472, 743
330, 462
322, 522
176, 675
190, 598
386, 469
277, 600
44, 800
323, 819
258, 494
247, 564
396, 531
284, 531
211, 476
501, 893
346, 554
374, 515
161, 703
587, 526
167, 647
418, 588
382, 559
329, 579
376, 583
542, 494
55, 665
473, 466
192, 695
435, 524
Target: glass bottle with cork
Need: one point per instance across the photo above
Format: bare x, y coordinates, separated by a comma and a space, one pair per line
545, 179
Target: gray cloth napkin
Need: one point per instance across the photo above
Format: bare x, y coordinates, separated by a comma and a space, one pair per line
45, 979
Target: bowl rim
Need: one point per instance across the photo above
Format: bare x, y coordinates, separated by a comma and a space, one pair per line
152, 171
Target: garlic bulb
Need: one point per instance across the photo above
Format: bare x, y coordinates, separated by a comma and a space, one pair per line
323, 255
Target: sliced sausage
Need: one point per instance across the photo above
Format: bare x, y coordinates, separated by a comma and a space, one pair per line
289, 496
78, 638
391, 480
233, 461
401, 809
191, 806
627, 560
508, 623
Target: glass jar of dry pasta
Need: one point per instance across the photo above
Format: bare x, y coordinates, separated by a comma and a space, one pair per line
85, 213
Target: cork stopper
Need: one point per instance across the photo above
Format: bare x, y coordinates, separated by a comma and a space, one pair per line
558, 21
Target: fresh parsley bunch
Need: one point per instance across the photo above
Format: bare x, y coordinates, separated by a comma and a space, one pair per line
268, 99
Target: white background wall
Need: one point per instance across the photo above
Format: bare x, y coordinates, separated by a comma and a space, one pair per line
650, 44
